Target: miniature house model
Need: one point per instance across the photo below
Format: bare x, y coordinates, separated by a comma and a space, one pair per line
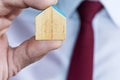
50, 25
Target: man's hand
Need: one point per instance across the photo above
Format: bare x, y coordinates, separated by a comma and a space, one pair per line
13, 60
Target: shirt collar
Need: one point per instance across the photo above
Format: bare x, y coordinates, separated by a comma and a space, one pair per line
112, 7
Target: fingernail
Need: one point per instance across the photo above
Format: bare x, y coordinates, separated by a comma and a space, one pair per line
55, 2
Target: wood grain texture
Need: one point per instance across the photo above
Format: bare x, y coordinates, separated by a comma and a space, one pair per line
50, 25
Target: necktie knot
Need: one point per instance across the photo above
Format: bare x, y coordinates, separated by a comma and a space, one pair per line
88, 10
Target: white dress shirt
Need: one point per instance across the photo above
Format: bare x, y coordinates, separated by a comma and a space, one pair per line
54, 66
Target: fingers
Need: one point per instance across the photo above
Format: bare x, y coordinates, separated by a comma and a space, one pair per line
32, 50
38, 4
6, 6
9, 9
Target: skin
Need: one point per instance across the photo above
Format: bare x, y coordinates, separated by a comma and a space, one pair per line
12, 60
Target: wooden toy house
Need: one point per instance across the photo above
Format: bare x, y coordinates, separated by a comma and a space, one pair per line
50, 25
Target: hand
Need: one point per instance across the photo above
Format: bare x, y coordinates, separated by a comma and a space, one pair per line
13, 60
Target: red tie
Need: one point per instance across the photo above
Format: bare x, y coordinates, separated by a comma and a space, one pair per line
81, 67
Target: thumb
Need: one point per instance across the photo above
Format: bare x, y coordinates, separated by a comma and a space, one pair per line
37, 4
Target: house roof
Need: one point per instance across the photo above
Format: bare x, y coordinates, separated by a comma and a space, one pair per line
58, 10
